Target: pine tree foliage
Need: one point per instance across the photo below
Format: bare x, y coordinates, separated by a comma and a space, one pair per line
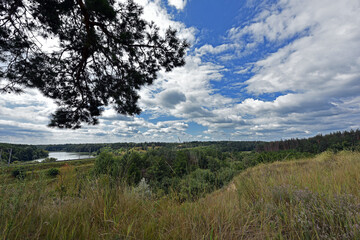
105, 53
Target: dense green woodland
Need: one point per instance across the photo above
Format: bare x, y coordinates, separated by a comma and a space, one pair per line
190, 173
21, 152
337, 141
223, 146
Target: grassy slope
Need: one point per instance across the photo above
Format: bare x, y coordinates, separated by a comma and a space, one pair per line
310, 198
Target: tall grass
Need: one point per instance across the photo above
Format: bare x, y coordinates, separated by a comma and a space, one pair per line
308, 199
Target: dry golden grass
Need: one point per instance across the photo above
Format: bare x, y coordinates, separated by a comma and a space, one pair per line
308, 199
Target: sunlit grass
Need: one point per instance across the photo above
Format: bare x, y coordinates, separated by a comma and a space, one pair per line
308, 199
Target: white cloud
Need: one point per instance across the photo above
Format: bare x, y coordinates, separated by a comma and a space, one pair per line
178, 4
170, 98
191, 90
153, 11
207, 48
316, 71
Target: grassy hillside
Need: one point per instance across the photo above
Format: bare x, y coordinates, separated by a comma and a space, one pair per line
317, 198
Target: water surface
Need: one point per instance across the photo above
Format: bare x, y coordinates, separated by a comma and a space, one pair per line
64, 156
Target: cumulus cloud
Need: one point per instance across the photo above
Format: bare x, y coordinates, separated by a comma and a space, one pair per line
323, 55
190, 90
315, 70
210, 49
153, 11
178, 4
170, 98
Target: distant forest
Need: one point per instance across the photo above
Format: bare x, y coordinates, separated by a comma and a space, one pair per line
223, 146
337, 141
21, 152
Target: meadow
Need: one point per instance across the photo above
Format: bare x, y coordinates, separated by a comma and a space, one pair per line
309, 198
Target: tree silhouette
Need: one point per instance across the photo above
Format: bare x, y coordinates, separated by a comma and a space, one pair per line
105, 52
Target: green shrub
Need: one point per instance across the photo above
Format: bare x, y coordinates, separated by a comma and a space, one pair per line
52, 172
105, 163
197, 184
49, 159
18, 173
224, 176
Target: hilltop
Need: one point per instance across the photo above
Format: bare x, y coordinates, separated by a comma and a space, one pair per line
307, 198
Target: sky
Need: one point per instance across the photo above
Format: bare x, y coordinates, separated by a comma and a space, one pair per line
256, 70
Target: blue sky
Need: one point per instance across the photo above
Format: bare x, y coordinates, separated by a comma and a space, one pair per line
256, 70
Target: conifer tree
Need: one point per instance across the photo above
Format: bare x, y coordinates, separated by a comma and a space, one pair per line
105, 53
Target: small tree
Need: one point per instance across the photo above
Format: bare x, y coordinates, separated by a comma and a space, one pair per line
52, 172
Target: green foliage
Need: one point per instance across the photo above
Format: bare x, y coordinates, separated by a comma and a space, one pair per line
127, 167
224, 176
212, 147
213, 163
197, 184
181, 163
49, 159
159, 168
337, 141
168, 170
19, 173
53, 172
105, 163
133, 165
21, 153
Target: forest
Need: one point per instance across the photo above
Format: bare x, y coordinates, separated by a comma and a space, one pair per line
190, 173
336, 141
21, 153
95, 147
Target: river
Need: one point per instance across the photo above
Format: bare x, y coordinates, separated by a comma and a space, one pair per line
64, 156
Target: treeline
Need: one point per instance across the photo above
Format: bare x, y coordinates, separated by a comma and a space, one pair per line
73, 147
224, 146
337, 141
20, 152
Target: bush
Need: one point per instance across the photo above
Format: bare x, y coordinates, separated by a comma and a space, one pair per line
197, 184
224, 176
18, 173
52, 172
104, 163
143, 190
49, 159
